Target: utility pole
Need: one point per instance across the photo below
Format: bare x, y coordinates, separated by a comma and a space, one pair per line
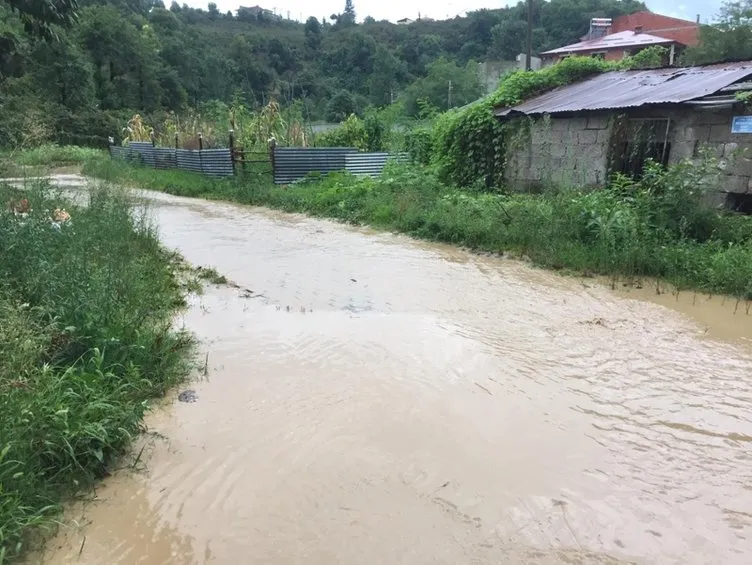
391, 96
450, 95
529, 51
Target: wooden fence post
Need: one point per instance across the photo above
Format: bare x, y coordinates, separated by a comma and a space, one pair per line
272, 147
200, 149
232, 150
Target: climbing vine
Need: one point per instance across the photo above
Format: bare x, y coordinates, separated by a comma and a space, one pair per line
470, 143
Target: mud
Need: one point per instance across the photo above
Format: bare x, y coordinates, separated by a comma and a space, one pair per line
370, 399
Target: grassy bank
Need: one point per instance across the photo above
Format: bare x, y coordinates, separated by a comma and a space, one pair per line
45, 158
86, 306
659, 227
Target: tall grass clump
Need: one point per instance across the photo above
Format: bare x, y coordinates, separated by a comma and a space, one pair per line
87, 298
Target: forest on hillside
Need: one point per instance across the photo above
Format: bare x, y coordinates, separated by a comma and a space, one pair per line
75, 71
77, 75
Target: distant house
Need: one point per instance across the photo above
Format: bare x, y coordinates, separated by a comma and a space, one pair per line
613, 47
682, 31
616, 121
404, 21
628, 35
255, 13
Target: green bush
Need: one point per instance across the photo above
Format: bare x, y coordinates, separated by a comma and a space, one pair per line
419, 145
374, 133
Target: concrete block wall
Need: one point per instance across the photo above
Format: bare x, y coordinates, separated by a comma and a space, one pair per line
575, 150
711, 129
560, 151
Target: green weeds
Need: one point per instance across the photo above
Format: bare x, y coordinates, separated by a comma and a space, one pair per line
86, 306
38, 160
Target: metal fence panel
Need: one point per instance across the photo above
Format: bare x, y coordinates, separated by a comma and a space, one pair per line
370, 164
211, 162
294, 163
290, 163
217, 162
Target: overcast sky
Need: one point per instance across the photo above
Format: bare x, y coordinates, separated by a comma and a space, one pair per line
438, 9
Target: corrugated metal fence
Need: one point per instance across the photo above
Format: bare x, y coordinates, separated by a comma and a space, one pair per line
212, 162
294, 163
290, 163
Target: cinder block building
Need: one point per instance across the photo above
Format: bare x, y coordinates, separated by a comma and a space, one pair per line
613, 123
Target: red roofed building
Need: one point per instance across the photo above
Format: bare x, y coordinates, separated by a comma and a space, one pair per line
627, 35
682, 31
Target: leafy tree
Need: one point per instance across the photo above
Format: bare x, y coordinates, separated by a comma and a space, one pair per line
313, 33
384, 80
213, 11
40, 17
126, 69
509, 39
730, 39
447, 85
348, 16
63, 74
348, 55
340, 106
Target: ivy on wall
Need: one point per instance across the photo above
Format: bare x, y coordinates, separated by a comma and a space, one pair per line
469, 143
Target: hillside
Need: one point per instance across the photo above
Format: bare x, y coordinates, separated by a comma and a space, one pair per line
122, 56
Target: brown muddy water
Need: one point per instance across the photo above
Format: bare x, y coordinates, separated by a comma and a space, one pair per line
370, 399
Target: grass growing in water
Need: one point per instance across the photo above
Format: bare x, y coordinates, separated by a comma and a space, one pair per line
86, 307
658, 227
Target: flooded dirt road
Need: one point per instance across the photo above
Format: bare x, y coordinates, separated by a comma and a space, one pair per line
374, 400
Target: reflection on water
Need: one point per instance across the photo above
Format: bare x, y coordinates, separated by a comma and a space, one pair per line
377, 400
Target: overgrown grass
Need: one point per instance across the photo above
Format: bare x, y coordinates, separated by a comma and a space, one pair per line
86, 308
659, 227
44, 158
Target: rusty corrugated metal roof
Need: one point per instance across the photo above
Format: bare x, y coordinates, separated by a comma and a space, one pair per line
630, 89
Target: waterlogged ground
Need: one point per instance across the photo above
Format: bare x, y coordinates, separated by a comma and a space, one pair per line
370, 399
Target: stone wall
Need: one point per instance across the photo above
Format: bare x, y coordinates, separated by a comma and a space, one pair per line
693, 130
575, 150
562, 151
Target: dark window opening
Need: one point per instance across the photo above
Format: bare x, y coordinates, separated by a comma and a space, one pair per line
741, 203
637, 141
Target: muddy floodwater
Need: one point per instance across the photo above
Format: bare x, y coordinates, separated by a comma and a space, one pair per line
369, 399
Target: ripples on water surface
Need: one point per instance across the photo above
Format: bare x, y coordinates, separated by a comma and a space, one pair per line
375, 400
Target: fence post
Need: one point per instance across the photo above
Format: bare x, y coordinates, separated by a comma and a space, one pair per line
153, 139
110, 143
272, 147
176, 141
200, 149
232, 150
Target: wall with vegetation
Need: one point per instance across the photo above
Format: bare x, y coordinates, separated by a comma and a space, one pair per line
693, 130
575, 150
560, 150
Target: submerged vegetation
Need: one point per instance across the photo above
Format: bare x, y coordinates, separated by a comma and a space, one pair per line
87, 298
659, 226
